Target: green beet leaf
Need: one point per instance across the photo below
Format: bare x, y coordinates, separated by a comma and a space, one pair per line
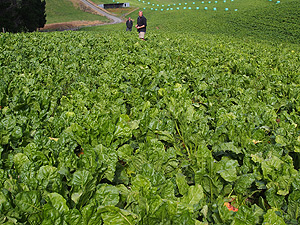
182, 184
1, 160
90, 215
29, 201
281, 140
108, 158
50, 179
244, 182
274, 199
51, 216
73, 216
156, 177
58, 202
193, 196
12, 186
107, 195
294, 204
81, 180
229, 146
125, 152
123, 128
35, 155
271, 218
35, 219
248, 216
83, 186
113, 215
227, 169
5, 204
20, 160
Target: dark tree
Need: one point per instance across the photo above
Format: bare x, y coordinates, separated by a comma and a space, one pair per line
22, 15
10, 18
33, 14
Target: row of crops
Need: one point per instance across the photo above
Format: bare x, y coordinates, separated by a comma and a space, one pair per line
105, 129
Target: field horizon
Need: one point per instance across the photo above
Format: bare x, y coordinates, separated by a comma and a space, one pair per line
260, 19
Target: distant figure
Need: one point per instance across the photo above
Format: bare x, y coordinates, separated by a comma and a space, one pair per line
141, 25
129, 24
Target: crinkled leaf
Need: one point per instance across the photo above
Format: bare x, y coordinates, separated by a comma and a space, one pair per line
194, 195
227, 146
167, 190
189, 113
271, 218
134, 124
274, 199
165, 136
108, 157
271, 163
35, 219
83, 185
29, 201
297, 145
49, 178
113, 215
58, 202
20, 160
248, 216
280, 140
182, 185
227, 169
89, 160
179, 213
107, 195
73, 217
125, 152
51, 216
81, 178
244, 182
34, 154
156, 177
17, 133
140, 182
5, 205
294, 204
12, 186
123, 128
90, 216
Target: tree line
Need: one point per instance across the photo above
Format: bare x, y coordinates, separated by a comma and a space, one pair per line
22, 15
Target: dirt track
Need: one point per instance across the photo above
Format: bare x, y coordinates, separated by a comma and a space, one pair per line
102, 12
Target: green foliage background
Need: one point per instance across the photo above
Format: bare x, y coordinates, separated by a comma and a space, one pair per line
103, 128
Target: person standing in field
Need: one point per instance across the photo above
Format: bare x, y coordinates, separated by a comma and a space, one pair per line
141, 25
129, 24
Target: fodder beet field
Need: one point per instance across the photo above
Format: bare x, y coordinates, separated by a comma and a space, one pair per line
184, 128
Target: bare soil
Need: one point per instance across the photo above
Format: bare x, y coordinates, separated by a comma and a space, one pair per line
70, 25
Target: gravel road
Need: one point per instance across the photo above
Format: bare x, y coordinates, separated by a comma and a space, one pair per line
111, 17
